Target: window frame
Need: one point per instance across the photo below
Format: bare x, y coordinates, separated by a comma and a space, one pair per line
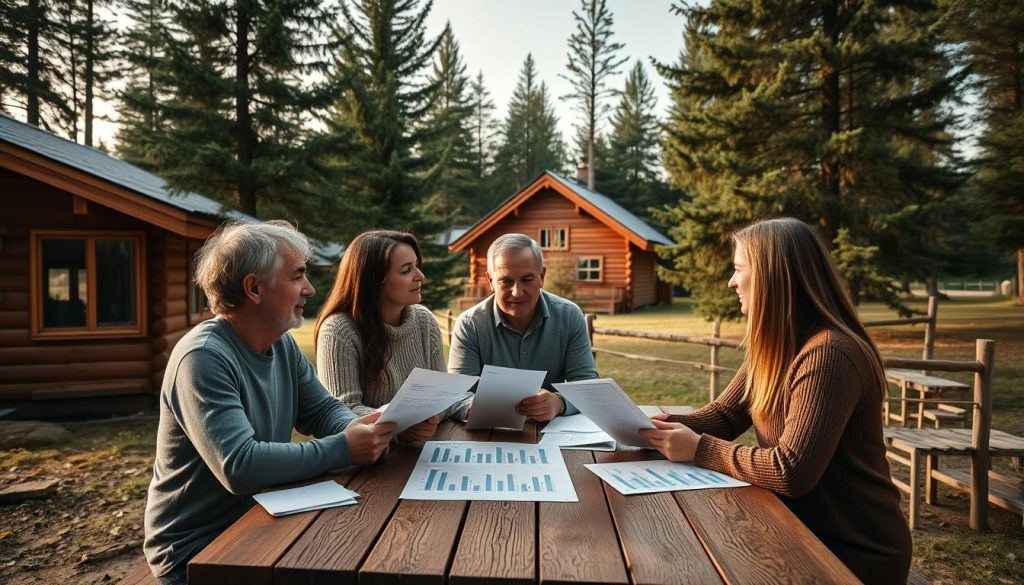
552, 233
204, 312
91, 328
599, 269
565, 241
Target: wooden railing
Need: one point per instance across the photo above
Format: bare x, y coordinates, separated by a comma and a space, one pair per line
930, 320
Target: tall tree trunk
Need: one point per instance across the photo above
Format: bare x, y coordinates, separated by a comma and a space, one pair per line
1020, 276
32, 93
830, 117
90, 37
243, 117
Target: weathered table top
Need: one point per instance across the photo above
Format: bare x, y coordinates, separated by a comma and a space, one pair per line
739, 535
921, 381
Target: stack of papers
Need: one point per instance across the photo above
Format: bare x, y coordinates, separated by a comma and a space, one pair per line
605, 403
644, 477
497, 395
576, 432
326, 494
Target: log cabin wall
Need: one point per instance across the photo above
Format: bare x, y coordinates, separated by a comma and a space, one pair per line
588, 237
80, 367
645, 279
170, 317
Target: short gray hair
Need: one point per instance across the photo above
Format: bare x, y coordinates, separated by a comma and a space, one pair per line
237, 249
511, 243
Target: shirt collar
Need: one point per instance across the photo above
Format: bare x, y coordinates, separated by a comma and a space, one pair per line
539, 317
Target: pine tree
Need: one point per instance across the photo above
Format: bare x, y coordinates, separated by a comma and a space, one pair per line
31, 45
530, 142
633, 159
384, 52
830, 112
233, 127
991, 35
86, 41
592, 60
482, 147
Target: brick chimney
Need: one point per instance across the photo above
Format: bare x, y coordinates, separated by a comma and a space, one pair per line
581, 173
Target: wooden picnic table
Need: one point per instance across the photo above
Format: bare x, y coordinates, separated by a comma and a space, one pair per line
927, 387
737, 535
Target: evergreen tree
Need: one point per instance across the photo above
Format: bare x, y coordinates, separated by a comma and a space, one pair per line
530, 142
830, 112
97, 57
233, 127
482, 147
86, 41
991, 35
633, 161
592, 60
384, 52
31, 43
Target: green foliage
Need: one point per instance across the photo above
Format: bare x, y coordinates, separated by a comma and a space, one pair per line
483, 143
530, 141
830, 112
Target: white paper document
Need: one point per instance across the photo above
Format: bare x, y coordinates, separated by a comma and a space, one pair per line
599, 441
497, 395
424, 394
574, 423
326, 494
603, 402
471, 470
644, 477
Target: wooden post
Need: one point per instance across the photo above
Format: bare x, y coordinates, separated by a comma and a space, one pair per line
449, 325
716, 332
985, 352
590, 333
929, 329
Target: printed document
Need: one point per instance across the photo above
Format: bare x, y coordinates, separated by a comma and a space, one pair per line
574, 423
326, 494
599, 441
473, 470
497, 395
644, 477
603, 402
424, 394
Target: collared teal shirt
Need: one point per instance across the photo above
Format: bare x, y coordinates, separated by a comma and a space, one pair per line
556, 341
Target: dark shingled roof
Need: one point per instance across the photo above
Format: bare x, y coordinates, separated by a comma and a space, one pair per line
615, 211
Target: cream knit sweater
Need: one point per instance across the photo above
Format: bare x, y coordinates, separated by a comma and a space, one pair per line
416, 343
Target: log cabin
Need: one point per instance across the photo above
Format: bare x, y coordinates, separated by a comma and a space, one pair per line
95, 276
606, 251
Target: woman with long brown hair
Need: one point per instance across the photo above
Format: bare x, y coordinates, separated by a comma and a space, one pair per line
812, 387
372, 331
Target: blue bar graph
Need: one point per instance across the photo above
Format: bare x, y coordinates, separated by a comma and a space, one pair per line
543, 457
437, 450
479, 457
440, 481
536, 484
430, 479
548, 484
465, 483
445, 457
501, 486
511, 483
468, 458
487, 481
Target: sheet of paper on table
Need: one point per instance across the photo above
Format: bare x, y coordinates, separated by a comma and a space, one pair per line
499, 391
317, 496
644, 477
604, 403
574, 423
599, 441
424, 394
472, 470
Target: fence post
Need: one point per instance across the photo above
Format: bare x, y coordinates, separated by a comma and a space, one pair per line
929, 329
590, 334
716, 332
448, 325
985, 353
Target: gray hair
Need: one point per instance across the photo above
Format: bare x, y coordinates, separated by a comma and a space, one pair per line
511, 243
237, 249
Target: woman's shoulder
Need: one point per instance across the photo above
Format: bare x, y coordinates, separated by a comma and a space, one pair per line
832, 343
422, 315
339, 325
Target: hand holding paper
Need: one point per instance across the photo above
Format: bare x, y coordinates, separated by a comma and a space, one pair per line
500, 390
424, 394
603, 402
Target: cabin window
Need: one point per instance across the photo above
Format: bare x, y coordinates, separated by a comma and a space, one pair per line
87, 284
589, 269
553, 238
198, 304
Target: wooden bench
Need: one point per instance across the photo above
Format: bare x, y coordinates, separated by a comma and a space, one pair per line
927, 387
140, 575
946, 413
1005, 491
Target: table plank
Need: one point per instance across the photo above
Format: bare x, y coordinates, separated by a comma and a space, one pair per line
578, 542
659, 544
420, 539
333, 547
499, 539
245, 553
753, 538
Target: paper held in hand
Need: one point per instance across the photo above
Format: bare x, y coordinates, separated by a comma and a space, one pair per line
326, 494
604, 403
424, 394
497, 395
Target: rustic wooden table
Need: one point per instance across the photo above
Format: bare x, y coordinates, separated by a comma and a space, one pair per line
740, 535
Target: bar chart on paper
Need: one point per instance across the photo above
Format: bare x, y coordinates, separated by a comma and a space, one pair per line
464, 470
643, 477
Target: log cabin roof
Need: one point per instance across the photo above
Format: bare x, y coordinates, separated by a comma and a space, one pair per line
62, 163
596, 204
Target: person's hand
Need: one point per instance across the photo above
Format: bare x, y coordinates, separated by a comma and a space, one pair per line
420, 431
367, 440
662, 416
542, 406
677, 442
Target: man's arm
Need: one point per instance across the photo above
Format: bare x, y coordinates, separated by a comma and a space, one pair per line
205, 401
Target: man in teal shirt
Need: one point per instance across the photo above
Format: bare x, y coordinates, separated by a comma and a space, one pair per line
523, 326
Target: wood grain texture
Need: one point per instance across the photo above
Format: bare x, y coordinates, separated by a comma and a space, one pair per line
754, 538
578, 542
499, 539
659, 544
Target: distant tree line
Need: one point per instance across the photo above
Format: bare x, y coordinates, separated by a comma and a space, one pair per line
343, 116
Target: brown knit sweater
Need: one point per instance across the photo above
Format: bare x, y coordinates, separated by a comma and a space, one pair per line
822, 453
